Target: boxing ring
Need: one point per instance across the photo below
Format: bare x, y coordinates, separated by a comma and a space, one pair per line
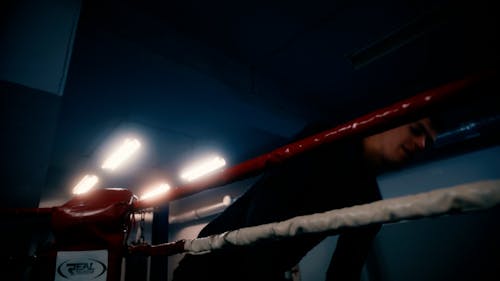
103, 218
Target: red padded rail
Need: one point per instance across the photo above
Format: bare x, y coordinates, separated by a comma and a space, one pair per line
376, 120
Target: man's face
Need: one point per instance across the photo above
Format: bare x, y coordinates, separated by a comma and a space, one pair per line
400, 144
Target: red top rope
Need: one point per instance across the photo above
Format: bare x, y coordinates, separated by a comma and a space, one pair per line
364, 124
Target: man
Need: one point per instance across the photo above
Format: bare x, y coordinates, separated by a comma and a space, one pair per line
395, 147
334, 176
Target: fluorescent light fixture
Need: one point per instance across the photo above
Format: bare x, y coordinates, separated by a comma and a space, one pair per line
203, 167
85, 184
121, 154
155, 191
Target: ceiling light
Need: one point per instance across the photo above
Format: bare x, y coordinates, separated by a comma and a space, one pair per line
203, 167
85, 184
155, 191
121, 154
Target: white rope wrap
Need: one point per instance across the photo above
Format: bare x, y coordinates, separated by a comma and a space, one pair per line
461, 198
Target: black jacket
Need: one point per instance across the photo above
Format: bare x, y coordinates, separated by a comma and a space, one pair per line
330, 177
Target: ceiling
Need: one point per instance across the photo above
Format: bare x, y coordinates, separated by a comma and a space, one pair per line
242, 77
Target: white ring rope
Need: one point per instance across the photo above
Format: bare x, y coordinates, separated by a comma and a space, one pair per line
461, 198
